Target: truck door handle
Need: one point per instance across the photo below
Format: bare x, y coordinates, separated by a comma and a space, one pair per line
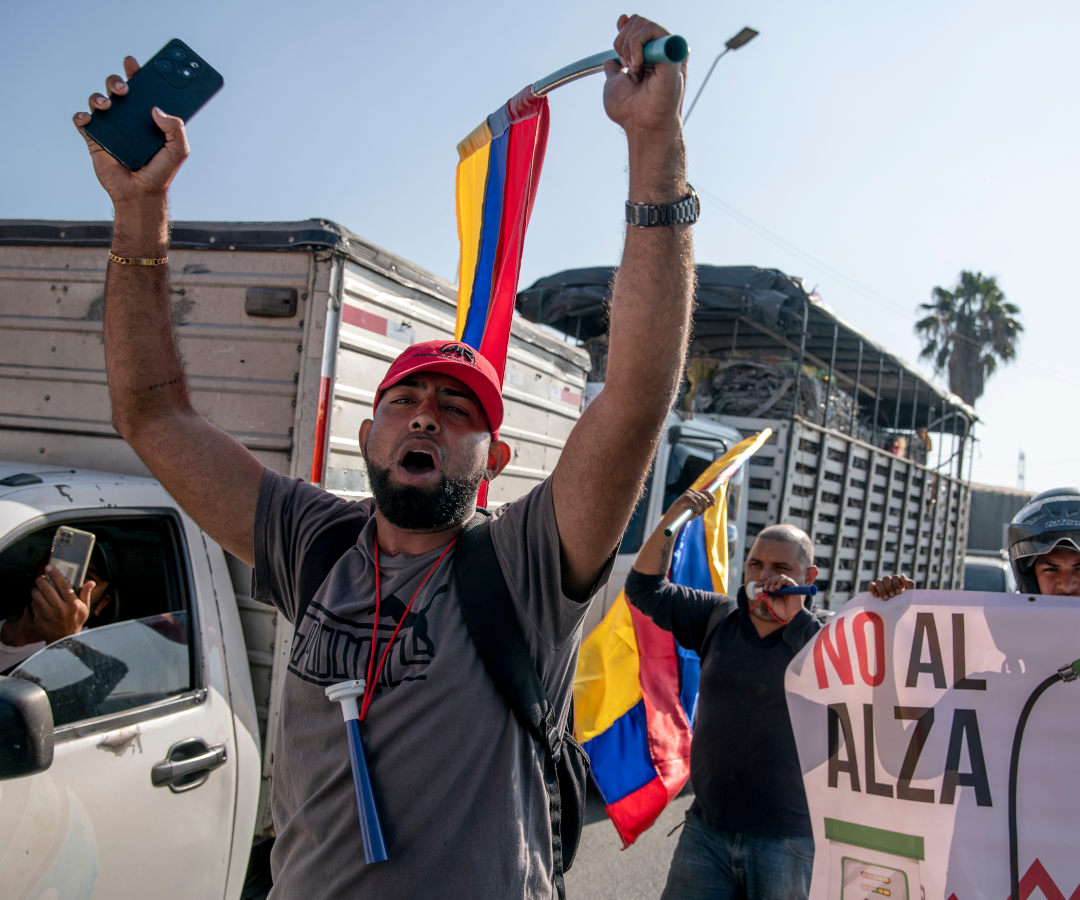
188, 765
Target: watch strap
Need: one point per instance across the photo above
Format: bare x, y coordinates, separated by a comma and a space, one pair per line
684, 212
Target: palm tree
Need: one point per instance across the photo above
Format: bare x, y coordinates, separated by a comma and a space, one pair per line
967, 330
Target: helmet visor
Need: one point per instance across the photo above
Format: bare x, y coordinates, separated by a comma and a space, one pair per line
1044, 543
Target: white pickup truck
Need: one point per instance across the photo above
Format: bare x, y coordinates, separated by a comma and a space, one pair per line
149, 756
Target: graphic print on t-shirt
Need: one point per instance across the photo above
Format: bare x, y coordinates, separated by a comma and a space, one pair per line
329, 648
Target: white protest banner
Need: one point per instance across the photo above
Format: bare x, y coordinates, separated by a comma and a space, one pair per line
905, 713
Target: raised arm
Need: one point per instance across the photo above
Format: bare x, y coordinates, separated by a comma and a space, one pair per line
211, 475
602, 469
654, 557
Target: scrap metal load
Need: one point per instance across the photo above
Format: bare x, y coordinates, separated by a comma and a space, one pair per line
755, 388
753, 330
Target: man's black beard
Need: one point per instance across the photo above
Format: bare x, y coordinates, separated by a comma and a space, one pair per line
418, 509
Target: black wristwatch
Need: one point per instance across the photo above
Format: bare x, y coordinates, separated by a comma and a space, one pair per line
685, 212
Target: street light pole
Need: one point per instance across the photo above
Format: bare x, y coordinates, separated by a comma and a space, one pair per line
743, 38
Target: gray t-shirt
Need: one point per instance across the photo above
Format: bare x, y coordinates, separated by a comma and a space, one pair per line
458, 783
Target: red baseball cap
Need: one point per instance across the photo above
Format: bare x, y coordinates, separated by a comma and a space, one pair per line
457, 360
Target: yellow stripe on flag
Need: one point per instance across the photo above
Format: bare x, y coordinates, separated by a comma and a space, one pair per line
607, 683
471, 184
716, 546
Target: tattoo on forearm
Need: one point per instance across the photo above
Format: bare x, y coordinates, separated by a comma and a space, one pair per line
165, 383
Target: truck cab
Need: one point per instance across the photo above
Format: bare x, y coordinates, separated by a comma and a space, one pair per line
687, 447
155, 743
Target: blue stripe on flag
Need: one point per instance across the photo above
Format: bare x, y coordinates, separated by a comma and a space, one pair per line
689, 562
690, 566
489, 242
621, 762
689, 676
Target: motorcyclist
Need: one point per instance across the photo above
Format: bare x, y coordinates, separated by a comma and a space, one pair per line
1044, 544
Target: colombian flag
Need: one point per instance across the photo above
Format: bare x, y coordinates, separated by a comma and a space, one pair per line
497, 175
635, 689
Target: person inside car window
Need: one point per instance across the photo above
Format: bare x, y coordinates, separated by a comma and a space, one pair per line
55, 610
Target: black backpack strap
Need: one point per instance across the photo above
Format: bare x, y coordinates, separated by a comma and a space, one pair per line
488, 610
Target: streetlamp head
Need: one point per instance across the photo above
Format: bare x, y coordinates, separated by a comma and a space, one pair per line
743, 37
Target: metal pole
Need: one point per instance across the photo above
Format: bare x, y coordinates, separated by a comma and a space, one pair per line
722, 53
328, 373
855, 406
960, 455
828, 387
941, 435
734, 337
670, 49
952, 419
899, 395
802, 353
877, 395
971, 457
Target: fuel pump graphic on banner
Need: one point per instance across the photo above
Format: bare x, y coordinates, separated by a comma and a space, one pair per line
922, 723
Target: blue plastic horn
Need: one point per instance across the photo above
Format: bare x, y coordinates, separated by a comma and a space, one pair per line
346, 693
753, 590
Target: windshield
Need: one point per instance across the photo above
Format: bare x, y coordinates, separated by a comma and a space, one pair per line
984, 577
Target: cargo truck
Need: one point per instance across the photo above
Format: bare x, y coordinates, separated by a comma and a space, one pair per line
867, 455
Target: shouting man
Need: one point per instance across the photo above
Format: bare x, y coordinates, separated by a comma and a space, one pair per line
458, 782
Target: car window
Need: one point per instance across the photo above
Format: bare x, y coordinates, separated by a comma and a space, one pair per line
684, 466
137, 648
984, 578
113, 668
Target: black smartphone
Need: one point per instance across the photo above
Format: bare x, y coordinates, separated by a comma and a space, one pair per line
177, 80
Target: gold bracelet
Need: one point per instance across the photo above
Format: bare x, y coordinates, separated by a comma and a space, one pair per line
138, 260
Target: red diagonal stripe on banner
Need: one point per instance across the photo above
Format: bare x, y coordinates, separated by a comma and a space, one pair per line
1038, 877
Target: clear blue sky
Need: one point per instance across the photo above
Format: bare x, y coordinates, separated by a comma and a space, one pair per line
894, 143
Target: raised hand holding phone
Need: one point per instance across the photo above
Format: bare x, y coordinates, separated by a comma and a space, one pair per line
152, 180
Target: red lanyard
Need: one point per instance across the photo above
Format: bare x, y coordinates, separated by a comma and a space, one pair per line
369, 686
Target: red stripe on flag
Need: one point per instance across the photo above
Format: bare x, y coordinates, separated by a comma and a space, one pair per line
524, 160
351, 315
668, 728
637, 811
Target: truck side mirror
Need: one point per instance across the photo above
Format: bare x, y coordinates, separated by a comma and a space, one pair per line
26, 729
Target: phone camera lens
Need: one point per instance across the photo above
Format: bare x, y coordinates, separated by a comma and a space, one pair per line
177, 53
186, 73
164, 66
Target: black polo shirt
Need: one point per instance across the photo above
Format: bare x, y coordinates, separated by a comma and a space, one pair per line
744, 767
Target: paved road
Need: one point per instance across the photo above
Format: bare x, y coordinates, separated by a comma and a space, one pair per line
604, 871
